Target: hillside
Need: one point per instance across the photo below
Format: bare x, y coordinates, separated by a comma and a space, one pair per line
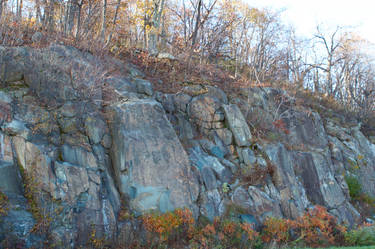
88, 147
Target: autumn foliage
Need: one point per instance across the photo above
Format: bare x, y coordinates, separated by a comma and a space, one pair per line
316, 228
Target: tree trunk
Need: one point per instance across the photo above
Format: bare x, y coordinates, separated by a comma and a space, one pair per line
104, 19
79, 19
185, 24
88, 18
72, 15
114, 21
195, 33
46, 14
51, 18
1, 9
38, 13
19, 15
156, 17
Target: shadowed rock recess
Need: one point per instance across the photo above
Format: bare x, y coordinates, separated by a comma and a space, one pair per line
78, 144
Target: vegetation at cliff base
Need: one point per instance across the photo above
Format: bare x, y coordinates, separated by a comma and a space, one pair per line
316, 228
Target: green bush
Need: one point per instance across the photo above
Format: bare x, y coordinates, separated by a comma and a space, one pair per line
364, 236
355, 188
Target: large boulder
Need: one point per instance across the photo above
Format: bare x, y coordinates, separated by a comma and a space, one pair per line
206, 109
256, 202
237, 124
151, 167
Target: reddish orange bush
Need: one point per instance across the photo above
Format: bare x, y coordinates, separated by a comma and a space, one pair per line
276, 229
317, 227
250, 232
164, 224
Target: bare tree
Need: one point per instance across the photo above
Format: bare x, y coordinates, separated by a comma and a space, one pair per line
158, 7
331, 43
114, 21
104, 20
1, 8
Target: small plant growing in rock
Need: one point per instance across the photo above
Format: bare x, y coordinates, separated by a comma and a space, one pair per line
225, 187
94, 240
354, 186
356, 192
3, 204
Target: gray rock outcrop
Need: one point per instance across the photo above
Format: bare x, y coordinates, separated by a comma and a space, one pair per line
89, 144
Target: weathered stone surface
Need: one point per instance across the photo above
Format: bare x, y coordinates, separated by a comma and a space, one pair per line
291, 191
212, 204
79, 156
151, 167
45, 130
68, 110
35, 163
75, 140
16, 127
262, 203
167, 101
12, 64
184, 128
318, 179
181, 101
212, 149
256, 202
307, 130
205, 109
10, 180
144, 87
134, 71
95, 129
68, 125
18, 224
121, 84
247, 156
237, 125
209, 178
346, 214
353, 154
107, 141
216, 92
225, 135
6, 151
5, 108
5, 98
202, 160
72, 180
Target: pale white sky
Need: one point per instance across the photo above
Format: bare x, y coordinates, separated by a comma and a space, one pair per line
306, 14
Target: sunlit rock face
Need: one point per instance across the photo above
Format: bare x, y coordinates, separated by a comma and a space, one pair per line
83, 144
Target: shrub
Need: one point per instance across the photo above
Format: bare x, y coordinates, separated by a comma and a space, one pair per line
178, 229
179, 221
276, 230
3, 204
355, 192
363, 236
317, 227
355, 187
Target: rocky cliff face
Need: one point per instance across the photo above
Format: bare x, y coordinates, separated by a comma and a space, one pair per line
79, 142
